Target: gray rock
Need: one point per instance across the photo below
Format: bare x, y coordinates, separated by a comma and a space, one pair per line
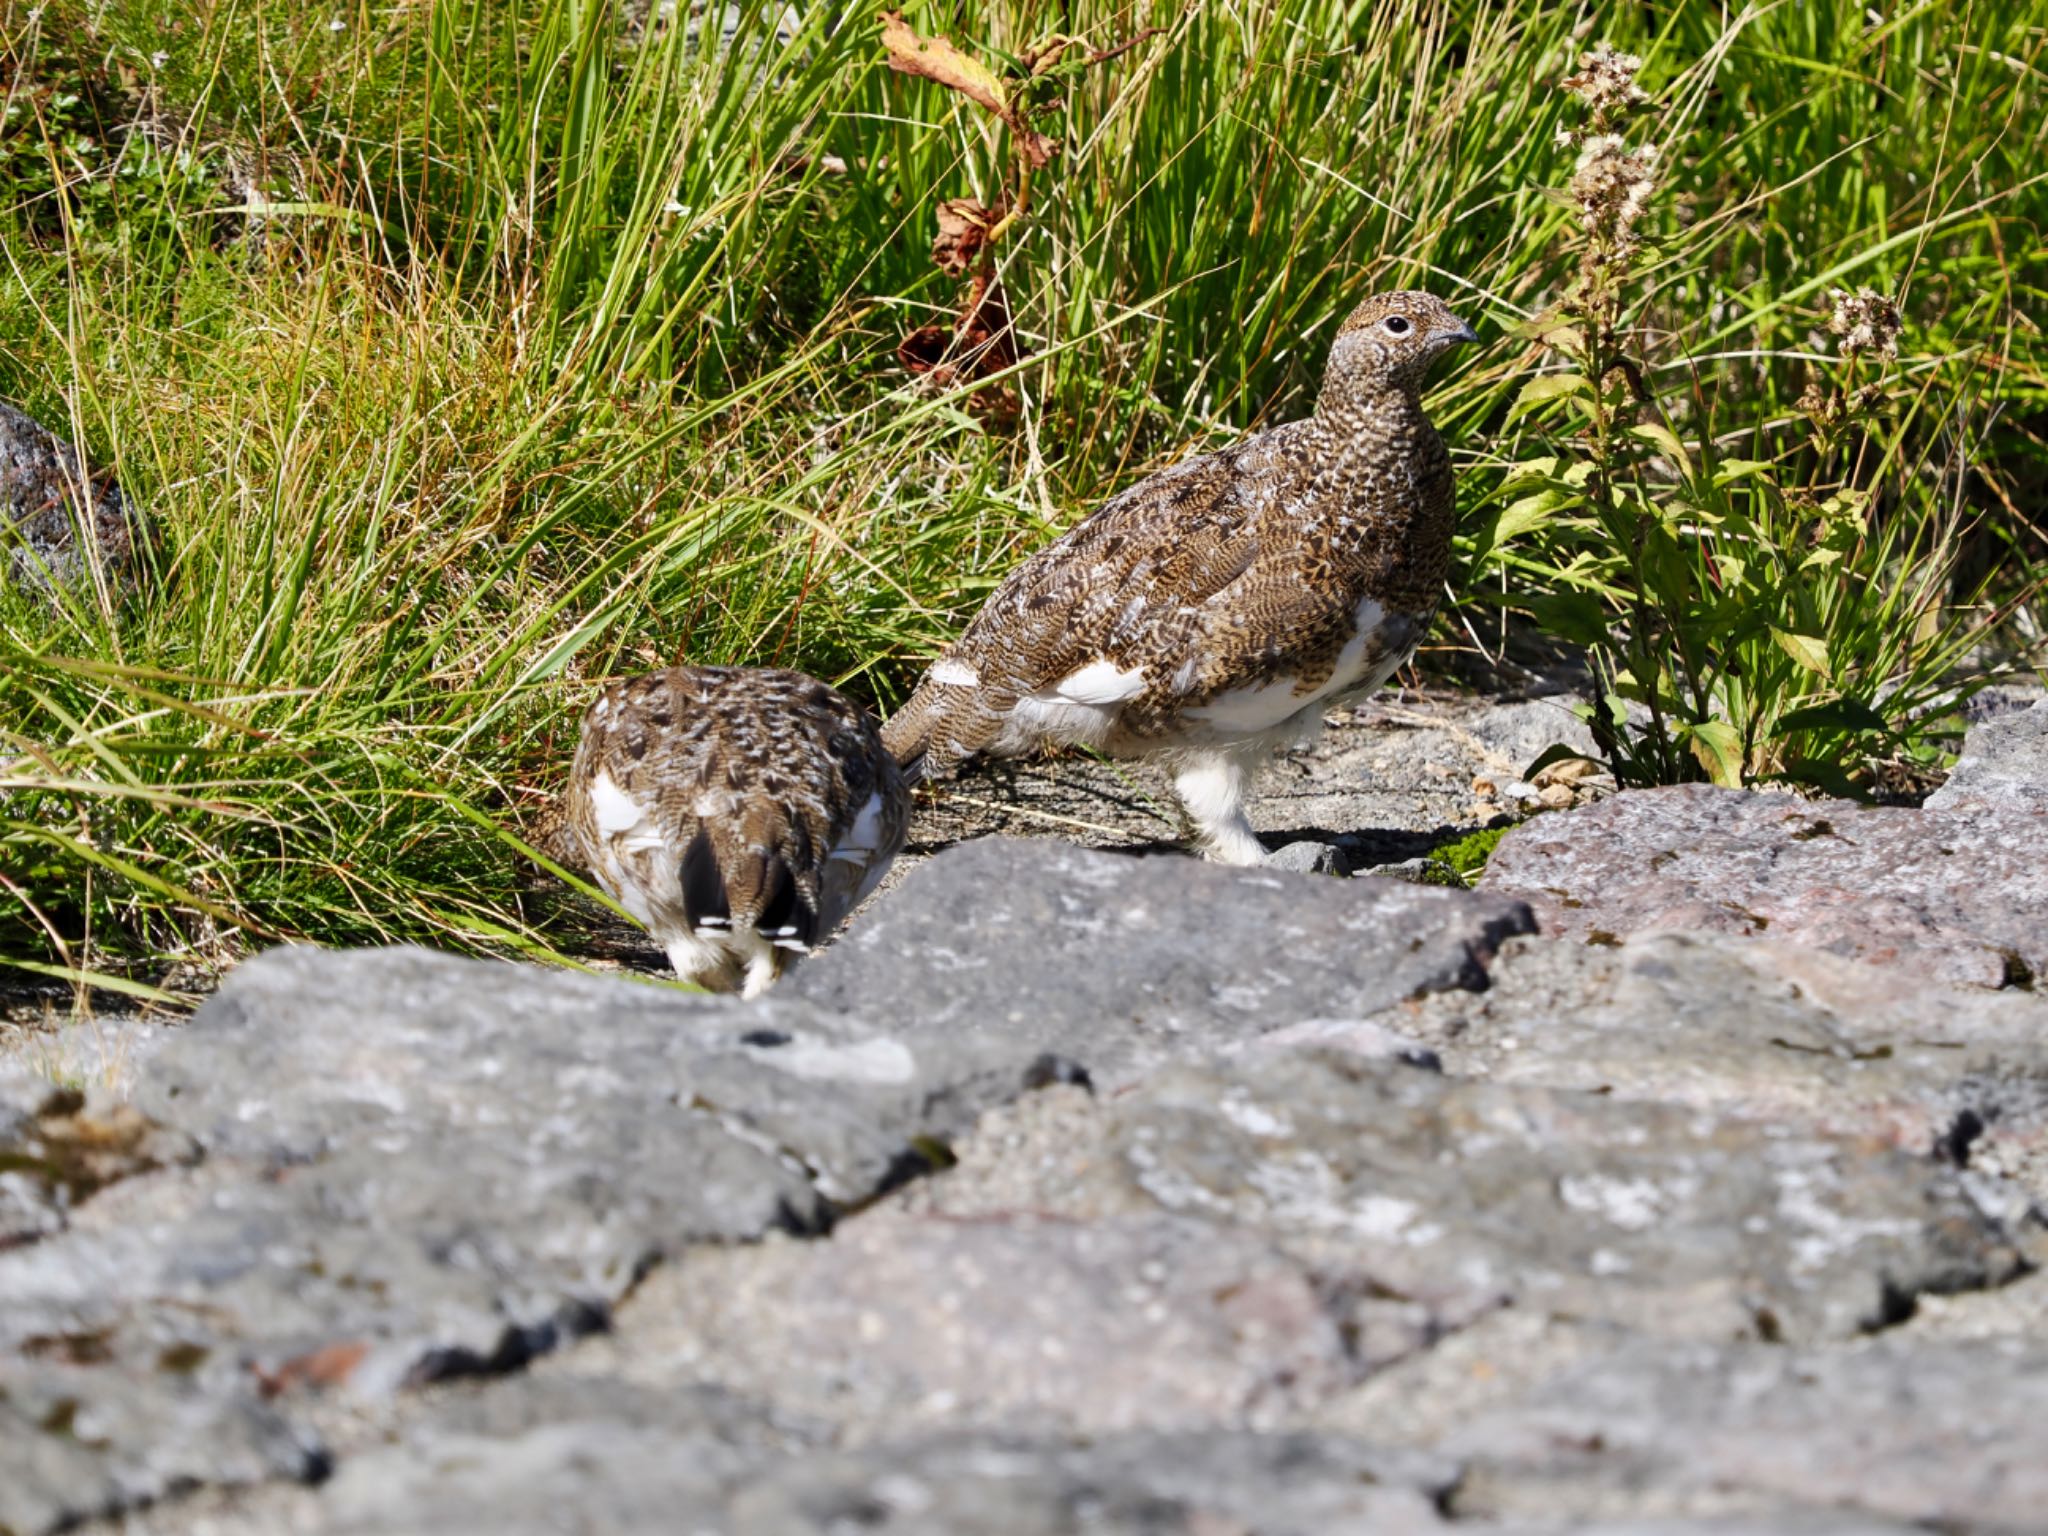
1124, 963
1144, 1320
1957, 896
1945, 1436
59, 1146
1219, 1484
1309, 857
1658, 1216
1519, 733
78, 1441
2003, 769
617, 1477
1241, 1246
42, 479
421, 1167
1795, 1036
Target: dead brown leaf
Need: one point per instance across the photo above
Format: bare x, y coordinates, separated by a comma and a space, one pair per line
964, 226
978, 344
936, 59
327, 1366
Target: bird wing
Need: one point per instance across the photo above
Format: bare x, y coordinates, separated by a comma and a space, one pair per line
1189, 581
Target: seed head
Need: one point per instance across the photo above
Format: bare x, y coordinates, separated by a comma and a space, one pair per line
1612, 186
1606, 82
1867, 322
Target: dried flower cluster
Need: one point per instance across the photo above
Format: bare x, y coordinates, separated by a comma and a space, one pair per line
1612, 185
1612, 182
1606, 82
1867, 322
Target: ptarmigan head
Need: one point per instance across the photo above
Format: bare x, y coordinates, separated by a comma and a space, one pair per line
1388, 342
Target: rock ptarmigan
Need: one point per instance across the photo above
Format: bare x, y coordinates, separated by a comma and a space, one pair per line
1218, 609
739, 813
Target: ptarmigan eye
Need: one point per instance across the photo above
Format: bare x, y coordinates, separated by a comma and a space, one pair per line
1397, 325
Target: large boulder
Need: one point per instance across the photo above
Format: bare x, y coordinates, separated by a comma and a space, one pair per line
414, 1168
1241, 1244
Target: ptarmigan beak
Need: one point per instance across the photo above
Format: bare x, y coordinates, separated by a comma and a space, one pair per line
1460, 332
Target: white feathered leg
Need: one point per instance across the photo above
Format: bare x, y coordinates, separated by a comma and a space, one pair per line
1211, 785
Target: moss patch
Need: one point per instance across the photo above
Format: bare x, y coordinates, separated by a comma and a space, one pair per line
1460, 860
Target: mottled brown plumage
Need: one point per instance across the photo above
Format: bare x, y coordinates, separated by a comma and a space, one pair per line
739, 813
1222, 606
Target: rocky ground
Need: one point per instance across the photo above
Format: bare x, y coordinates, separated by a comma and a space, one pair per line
1689, 1176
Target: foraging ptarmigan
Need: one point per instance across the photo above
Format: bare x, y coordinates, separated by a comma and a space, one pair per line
739, 813
1219, 608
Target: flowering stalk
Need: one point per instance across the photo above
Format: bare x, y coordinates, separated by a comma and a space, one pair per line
1612, 182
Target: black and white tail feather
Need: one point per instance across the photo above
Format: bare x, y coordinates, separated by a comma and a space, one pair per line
739, 814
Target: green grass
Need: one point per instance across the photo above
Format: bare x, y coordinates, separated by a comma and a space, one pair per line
470, 353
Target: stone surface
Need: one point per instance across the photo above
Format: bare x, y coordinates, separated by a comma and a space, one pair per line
419, 1166
1445, 1197
2003, 768
1957, 895
1084, 1193
1124, 963
41, 481
599, 1475
1948, 1438
59, 1146
1770, 1030
1243, 1246
80, 1440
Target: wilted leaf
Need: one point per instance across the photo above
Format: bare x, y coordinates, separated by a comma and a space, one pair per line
963, 230
979, 343
1557, 754
1719, 749
1809, 651
937, 60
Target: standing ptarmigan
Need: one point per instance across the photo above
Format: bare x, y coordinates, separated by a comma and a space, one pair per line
739, 813
1220, 608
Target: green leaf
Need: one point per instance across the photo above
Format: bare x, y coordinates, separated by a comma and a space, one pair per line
1809, 651
1530, 512
1843, 714
1734, 572
1530, 469
1546, 387
1576, 617
1731, 470
1667, 440
1718, 746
